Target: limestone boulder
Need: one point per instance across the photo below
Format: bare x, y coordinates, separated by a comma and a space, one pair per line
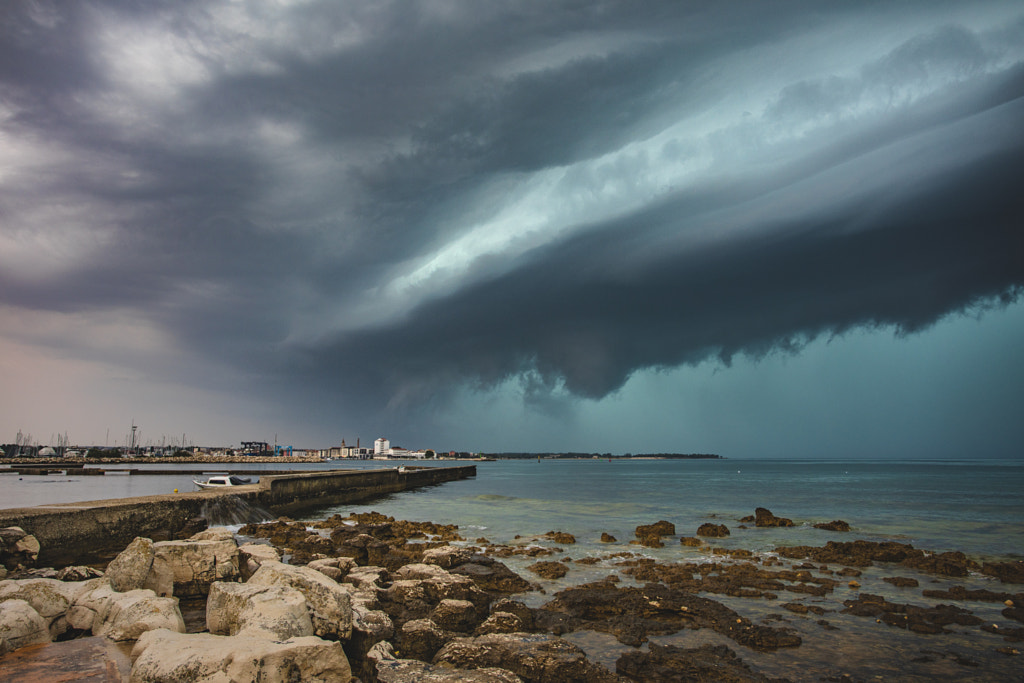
123, 616
187, 568
367, 577
420, 639
447, 556
419, 571
252, 555
763, 517
50, 598
20, 625
214, 533
161, 656
387, 668
17, 548
369, 627
407, 599
660, 528
78, 573
330, 603
535, 658
709, 530
128, 571
333, 567
501, 622
275, 612
493, 576
455, 615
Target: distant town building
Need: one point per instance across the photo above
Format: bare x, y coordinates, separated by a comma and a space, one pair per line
381, 447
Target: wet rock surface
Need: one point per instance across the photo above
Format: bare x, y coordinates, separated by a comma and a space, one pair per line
413, 601
669, 664
912, 617
549, 570
713, 530
866, 553
632, 615
1007, 572
536, 658
763, 517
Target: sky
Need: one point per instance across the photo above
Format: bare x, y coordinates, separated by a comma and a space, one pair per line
788, 229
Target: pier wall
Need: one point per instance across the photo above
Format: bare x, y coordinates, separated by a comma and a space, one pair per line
82, 533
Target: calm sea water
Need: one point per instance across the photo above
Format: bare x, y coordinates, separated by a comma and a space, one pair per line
975, 506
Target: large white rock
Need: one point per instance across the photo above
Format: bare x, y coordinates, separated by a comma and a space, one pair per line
252, 555
275, 612
162, 656
128, 571
187, 568
214, 533
20, 625
49, 597
330, 605
124, 616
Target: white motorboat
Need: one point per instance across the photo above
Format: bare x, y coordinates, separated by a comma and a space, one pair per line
220, 481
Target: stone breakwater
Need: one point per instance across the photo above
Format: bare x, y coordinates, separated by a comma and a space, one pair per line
370, 598
84, 532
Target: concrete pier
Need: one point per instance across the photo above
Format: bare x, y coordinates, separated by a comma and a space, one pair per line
81, 533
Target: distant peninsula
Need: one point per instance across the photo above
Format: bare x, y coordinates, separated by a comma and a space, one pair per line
627, 456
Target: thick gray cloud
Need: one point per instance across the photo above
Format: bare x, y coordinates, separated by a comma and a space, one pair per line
376, 205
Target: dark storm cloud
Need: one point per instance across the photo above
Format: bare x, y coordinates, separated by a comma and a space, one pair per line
594, 309
412, 197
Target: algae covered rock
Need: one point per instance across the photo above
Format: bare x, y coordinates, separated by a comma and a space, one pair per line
539, 658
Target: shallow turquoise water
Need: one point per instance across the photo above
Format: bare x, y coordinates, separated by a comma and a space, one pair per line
969, 506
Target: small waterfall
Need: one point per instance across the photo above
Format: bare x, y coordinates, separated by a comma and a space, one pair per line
233, 511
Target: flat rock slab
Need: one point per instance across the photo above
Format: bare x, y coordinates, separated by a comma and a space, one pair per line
93, 659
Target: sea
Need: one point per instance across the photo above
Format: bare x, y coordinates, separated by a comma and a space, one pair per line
973, 505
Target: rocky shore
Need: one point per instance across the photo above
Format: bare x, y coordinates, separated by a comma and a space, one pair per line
370, 598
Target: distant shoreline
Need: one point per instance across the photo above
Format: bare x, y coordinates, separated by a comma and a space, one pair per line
606, 456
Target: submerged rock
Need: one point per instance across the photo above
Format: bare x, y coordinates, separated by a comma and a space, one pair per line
669, 664
911, 617
1007, 572
549, 570
535, 658
834, 525
387, 668
633, 614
